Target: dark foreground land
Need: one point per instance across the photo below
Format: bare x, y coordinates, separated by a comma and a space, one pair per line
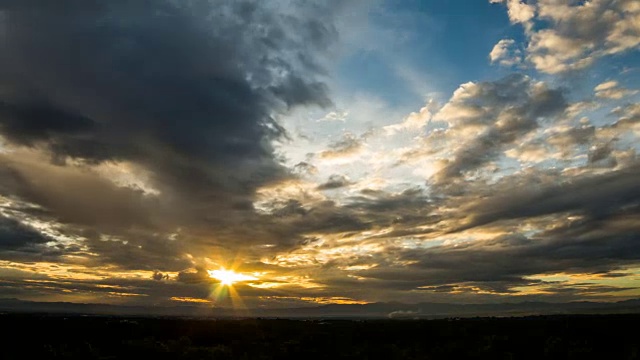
556, 337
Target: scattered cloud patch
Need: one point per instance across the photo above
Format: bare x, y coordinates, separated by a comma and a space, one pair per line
505, 53
611, 90
565, 36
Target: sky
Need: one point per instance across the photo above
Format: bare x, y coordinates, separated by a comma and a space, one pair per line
293, 153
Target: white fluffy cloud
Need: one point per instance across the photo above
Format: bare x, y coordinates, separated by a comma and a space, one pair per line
415, 120
564, 36
505, 54
520, 12
611, 90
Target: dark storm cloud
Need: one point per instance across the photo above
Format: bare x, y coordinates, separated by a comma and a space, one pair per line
509, 258
496, 114
29, 123
325, 217
75, 196
502, 263
121, 224
593, 196
16, 236
186, 89
375, 201
371, 209
139, 251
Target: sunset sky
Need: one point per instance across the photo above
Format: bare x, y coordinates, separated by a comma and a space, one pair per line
290, 153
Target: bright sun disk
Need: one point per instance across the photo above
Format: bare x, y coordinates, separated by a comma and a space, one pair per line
228, 277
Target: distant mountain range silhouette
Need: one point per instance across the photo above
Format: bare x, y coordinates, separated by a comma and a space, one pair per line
351, 311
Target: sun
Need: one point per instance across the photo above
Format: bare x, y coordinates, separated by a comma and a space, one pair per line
228, 277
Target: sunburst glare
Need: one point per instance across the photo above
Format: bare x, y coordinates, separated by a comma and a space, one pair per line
228, 277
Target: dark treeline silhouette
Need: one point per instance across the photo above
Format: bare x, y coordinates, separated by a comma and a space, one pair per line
540, 337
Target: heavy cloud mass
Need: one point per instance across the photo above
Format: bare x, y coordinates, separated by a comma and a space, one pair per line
193, 85
187, 92
313, 148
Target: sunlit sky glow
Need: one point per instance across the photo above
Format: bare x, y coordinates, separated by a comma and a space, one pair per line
317, 152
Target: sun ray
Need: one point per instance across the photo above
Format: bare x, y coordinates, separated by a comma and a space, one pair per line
225, 289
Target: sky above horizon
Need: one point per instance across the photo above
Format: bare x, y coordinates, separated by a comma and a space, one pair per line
290, 153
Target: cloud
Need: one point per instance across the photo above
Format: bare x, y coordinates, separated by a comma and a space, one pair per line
144, 144
581, 33
520, 12
349, 145
611, 90
627, 113
304, 168
335, 182
564, 36
531, 152
504, 53
158, 276
508, 264
185, 92
335, 116
75, 195
15, 236
200, 275
568, 141
484, 117
415, 120
382, 236
615, 190
180, 102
